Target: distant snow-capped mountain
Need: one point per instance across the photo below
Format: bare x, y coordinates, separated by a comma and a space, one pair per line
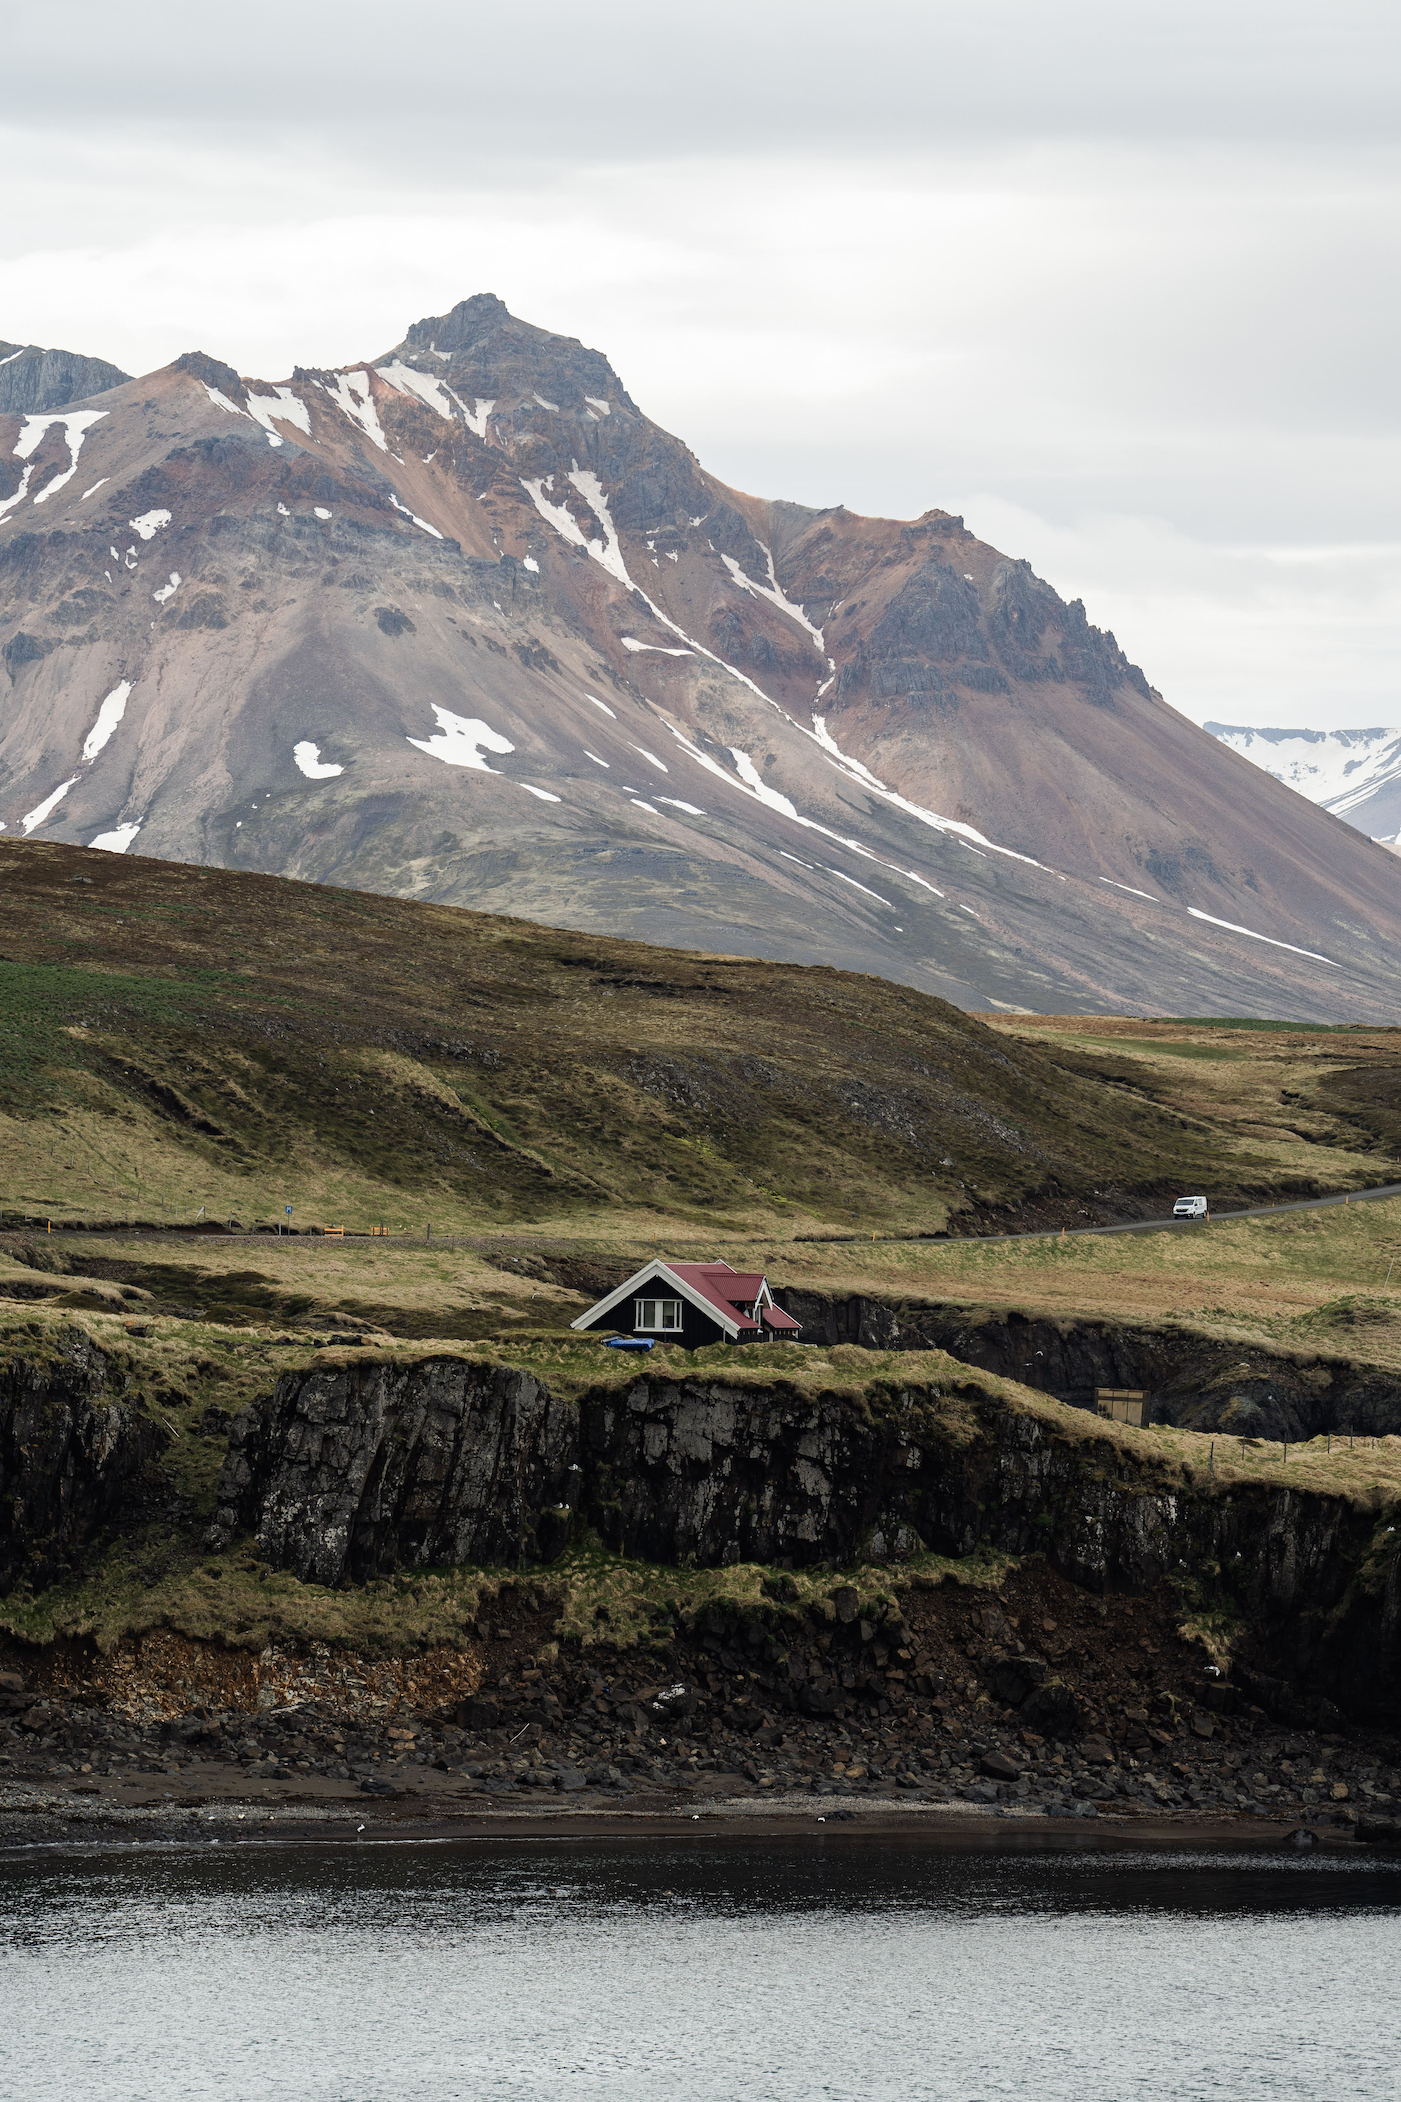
1354, 773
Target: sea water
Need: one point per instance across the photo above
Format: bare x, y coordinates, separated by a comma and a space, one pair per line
731, 1971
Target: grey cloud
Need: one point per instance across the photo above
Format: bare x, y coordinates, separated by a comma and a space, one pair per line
452, 84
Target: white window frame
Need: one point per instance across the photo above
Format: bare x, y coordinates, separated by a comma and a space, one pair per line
659, 1309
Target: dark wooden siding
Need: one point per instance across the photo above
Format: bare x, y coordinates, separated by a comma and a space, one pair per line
697, 1329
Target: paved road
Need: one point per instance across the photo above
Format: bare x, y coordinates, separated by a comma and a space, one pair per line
1258, 1211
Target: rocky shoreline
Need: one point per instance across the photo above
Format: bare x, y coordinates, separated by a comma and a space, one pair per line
47, 1818
1034, 1704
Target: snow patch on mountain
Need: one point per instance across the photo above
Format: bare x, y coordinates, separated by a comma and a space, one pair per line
861, 887
350, 391
149, 523
460, 740
43, 810
1131, 891
772, 591
11, 502
770, 797
607, 551
308, 758
76, 424
428, 388
630, 642
1232, 928
421, 523
532, 790
558, 515
283, 405
108, 717
116, 842
610, 555
169, 590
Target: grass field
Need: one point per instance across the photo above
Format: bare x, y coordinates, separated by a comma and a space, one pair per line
176, 1040
1311, 1281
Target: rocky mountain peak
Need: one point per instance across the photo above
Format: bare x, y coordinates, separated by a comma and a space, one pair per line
484, 351
33, 379
211, 372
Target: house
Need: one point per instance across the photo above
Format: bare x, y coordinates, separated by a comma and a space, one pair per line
692, 1304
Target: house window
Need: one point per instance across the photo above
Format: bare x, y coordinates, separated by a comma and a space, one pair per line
658, 1314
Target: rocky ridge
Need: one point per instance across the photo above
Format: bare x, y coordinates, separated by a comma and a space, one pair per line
33, 379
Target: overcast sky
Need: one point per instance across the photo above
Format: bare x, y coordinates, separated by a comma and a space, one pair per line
1117, 281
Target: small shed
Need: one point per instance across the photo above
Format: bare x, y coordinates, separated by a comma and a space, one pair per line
693, 1304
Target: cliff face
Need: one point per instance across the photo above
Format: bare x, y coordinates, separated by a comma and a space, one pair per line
33, 379
347, 1474
365, 1468
73, 1455
1189, 1379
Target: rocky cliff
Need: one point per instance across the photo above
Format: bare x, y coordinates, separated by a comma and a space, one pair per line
33, 379
367, 1467
1189, 1379
75, 1454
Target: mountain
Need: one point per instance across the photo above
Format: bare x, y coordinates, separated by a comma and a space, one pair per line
460, 623
1354, 773
33, 379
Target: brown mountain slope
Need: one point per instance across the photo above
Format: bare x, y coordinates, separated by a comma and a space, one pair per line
461, 623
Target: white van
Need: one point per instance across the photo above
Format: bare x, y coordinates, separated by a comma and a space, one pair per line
1190, 1208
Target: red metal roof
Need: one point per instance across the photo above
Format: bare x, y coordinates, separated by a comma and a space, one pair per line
726, 1289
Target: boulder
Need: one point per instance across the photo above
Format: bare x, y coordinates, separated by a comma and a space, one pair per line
672, 1702
1052, 1710
820, 1697
1015, 1677
477, 1713
998, 1767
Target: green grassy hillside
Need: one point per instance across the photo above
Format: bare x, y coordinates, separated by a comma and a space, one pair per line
175, 1037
